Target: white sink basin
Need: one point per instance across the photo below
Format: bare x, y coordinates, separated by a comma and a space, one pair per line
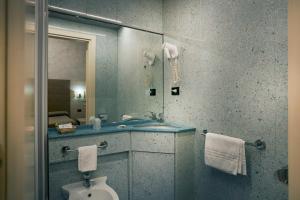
98, 191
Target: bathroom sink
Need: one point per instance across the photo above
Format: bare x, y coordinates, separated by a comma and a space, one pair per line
98, 191
156, 126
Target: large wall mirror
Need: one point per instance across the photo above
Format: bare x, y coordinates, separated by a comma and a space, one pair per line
103, 70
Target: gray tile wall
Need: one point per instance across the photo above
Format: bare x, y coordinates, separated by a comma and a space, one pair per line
233, 60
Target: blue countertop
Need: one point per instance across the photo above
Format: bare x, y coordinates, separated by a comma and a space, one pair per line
137, 126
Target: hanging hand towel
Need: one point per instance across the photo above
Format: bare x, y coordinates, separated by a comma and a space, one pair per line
225, 153
87, 158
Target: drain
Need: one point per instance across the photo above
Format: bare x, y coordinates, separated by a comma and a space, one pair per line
90, 194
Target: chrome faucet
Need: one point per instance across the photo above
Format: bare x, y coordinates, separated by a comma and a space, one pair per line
154, 116
161, 117
87, 180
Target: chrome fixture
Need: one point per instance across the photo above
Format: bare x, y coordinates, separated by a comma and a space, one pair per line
77, 13
87, 180
152, 115
258, 144
158, 117
67, 149
161, 117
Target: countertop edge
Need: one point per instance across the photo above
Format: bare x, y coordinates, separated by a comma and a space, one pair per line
53, 134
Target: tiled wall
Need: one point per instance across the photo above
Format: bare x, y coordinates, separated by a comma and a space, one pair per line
140, 13
233, 60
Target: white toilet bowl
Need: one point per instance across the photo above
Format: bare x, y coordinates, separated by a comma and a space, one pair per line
98, 190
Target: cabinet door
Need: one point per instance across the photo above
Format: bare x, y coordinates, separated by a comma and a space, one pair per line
114, 166
152, 176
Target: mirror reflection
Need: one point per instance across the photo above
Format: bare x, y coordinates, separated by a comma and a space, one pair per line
66, 83
100, 70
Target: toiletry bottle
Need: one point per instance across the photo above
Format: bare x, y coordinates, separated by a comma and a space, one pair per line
97, 123
91, 120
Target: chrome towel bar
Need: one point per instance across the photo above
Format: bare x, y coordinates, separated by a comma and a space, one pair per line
67, 149
258, 144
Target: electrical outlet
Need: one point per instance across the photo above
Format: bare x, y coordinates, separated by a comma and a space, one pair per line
175, 91
152, 92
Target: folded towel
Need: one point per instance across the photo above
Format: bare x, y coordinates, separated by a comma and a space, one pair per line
225, 153
87, 158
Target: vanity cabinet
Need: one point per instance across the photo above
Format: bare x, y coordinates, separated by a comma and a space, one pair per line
117, 143
139, 165
162, 166
152, 176
113, 162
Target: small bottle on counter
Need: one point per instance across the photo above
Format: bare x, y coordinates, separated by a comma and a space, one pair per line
92, 120
97, 124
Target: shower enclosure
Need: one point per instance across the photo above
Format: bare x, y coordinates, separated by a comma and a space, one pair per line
22, 103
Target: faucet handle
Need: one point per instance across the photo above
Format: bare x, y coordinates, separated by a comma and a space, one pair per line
161, 117
151, 112
152, 115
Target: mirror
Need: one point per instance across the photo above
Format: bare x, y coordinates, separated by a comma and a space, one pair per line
103, 70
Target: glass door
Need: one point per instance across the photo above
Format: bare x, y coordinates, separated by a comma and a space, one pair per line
22, 85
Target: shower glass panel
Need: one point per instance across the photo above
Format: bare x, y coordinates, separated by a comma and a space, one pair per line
20, 124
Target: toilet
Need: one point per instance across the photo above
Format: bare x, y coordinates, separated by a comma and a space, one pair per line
98, 190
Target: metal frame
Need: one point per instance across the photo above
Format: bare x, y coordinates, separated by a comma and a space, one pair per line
41, 77
96, 18
67, 149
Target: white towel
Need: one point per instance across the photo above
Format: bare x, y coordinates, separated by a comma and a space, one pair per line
225, 153
87, 158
